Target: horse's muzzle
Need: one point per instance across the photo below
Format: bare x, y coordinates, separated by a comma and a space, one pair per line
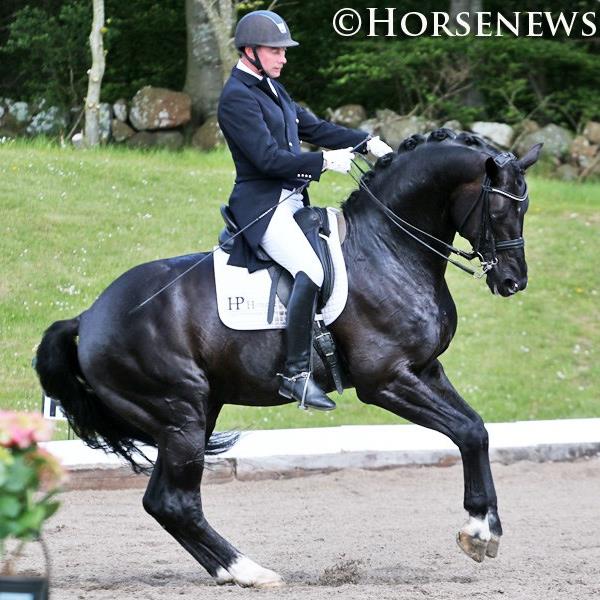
507, 287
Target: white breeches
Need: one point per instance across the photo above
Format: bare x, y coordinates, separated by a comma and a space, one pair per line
285, 243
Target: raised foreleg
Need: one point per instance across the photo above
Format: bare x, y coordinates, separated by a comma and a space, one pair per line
427, 398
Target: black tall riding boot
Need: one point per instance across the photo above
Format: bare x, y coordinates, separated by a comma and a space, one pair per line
297, 381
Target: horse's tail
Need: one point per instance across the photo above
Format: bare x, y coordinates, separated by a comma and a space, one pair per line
221, 441
57, 366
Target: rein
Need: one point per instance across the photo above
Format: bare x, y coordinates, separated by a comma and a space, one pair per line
486, 235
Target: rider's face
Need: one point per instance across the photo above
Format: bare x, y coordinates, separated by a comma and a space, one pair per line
272, 60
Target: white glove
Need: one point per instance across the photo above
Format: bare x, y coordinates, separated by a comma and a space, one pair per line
338, 160
377, 147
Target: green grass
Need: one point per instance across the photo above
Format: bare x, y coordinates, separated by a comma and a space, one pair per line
72, 221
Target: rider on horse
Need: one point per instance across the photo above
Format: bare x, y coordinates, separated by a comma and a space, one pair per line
263, 127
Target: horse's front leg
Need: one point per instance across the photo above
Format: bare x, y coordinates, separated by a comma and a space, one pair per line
427, 398
480, 492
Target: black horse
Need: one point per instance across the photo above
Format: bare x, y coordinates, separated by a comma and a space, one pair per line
161, 374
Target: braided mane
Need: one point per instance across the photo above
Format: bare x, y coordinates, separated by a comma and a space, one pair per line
442, 135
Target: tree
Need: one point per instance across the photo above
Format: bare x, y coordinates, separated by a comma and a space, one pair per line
471, 96
469, 6
92, 101
210, 53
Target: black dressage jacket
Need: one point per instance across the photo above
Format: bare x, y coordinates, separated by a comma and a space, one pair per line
263, 132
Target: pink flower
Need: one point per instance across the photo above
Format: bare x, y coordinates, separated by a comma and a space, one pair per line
22, 430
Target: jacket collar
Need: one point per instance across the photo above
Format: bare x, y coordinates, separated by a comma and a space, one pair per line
244, 77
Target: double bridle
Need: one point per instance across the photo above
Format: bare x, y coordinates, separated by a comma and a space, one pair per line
486, 248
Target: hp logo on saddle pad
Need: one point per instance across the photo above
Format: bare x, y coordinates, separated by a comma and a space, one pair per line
239, 303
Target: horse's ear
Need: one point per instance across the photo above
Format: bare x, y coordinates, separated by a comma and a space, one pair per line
491, 168
530, 157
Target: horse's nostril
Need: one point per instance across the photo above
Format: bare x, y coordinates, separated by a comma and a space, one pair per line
511, 285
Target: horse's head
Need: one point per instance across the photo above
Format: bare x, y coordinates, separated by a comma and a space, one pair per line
491, 218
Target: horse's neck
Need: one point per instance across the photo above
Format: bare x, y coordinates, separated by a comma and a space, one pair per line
422, 197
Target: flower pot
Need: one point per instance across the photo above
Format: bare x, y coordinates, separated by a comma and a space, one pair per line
23, 588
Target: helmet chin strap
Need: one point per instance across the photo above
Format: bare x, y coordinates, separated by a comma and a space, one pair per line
256, 61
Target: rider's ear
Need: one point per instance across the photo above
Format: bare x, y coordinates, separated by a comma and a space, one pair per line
491, 168
530, 157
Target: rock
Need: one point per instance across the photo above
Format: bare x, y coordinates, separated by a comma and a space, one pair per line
582, 152
105, 122
50, 122
370, 126
528, 126
567, 173
592, 132
208, 135
142, 139
349, 115
557, 141
120, 110
385, 114
20, 111
159, 108
77, 140
172, 140
453, 124
394, 132
500, 134
394, 128
121, 131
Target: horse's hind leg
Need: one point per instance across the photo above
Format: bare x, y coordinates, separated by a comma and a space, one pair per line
173, 499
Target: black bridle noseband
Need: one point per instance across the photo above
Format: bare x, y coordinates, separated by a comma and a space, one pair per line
486, 247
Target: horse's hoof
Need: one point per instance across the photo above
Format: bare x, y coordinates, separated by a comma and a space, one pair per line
473, 547
247, 573
275, 583
492, 548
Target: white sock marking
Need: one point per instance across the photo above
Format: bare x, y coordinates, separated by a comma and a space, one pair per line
223, 576
478, 528
247, 573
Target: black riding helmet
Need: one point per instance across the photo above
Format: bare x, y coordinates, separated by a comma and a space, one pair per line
262, 28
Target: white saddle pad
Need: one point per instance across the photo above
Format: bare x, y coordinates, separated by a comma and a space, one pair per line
243, 298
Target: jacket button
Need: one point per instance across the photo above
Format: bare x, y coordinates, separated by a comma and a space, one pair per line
297, 120
290, 144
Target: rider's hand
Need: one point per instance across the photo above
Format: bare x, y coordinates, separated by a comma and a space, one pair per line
377, 147
338, 160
